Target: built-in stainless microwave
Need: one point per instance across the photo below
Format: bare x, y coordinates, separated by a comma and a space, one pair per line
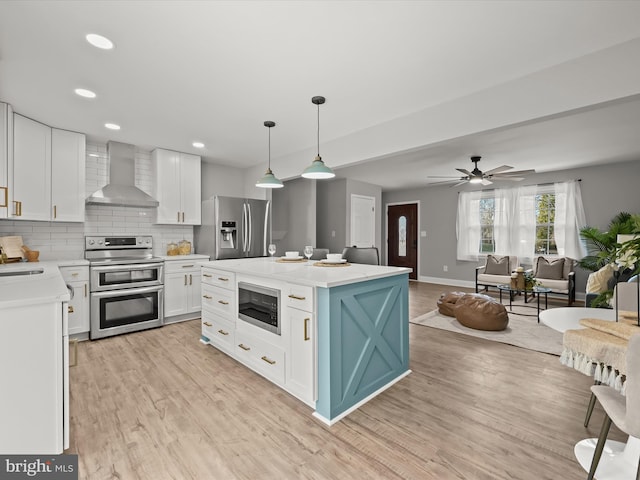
259, 306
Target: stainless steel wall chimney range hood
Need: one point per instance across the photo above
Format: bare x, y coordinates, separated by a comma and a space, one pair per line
121, 189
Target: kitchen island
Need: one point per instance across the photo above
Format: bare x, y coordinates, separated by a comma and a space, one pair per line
34, 360
335, 337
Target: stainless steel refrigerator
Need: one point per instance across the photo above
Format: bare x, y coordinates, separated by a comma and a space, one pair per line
234, 228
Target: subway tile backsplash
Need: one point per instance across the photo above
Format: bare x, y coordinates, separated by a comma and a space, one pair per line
59, 240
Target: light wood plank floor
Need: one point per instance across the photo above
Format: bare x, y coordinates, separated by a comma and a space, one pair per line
160, 405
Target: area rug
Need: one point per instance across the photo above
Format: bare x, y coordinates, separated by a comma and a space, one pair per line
523, 331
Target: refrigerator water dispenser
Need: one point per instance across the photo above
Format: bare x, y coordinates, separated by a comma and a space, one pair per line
228, 234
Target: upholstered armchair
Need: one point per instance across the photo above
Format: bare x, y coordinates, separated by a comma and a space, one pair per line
496, 271
557, 274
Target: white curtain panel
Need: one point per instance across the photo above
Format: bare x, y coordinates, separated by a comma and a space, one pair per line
503, 218
569, 220
468, 225
515, 221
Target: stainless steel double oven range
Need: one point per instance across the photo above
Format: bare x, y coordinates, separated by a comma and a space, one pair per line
126, 285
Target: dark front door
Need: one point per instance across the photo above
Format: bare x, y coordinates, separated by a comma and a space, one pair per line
402, 232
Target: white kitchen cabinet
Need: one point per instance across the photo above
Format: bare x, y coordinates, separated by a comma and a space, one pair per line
42, 170
177, 187
300, 318
68, 159
182, 290
30, 171
6, 155
77, 278
287, 359
300, 375
218, 308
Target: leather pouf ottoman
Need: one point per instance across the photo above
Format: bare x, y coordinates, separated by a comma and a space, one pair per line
481, 312
447, 302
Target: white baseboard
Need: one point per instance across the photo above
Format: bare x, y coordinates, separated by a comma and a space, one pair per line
448, 281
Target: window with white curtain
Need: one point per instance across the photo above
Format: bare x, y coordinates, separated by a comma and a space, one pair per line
525, 221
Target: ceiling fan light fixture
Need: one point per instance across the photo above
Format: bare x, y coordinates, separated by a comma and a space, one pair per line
269, 180
318, 170
475, 179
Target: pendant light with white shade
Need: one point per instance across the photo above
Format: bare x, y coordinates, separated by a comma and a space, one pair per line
269, 180
318, 169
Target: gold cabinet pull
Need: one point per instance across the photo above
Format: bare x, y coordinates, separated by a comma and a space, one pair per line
18, 208
222, 332
185, 278
55, 211
182, 217
188, 266
222, 302
208, 297
306, 329
70, 309
244, 347
6, 197
85, 289
207, 324
75, 274
296, 297
222, 279
268, 360
207, 275
178, 220
190, 280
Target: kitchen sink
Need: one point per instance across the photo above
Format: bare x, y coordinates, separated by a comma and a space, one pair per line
19, 273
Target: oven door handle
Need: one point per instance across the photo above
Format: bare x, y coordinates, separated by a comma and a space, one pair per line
127, 291
128, 267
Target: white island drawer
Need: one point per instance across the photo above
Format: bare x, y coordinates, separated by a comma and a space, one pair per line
299, 296
220, 332
220, 278
218, 300
263, 357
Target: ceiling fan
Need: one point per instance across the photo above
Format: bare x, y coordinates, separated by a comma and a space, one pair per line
478, 176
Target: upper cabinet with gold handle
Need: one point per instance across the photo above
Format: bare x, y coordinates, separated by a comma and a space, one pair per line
177, 187
47, 172
5, 202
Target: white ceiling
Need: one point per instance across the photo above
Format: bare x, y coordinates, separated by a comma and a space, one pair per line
214, 71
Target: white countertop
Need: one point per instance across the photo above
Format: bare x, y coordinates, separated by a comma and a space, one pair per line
306, 273
44, 287
193, 256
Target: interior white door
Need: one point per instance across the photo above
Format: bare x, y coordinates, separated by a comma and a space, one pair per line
363, 221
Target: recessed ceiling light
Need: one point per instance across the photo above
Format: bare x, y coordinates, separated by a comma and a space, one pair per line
198, 144
112, 126
83, 92
99, 41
